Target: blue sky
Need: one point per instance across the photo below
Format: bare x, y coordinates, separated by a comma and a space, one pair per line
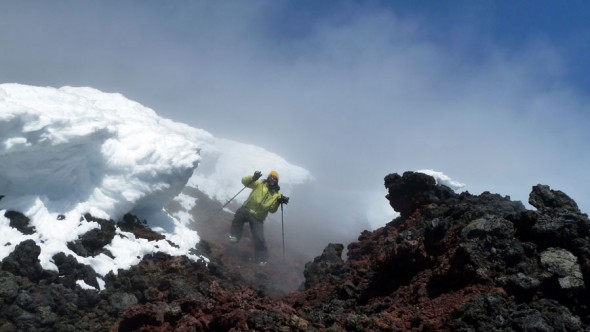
492, 93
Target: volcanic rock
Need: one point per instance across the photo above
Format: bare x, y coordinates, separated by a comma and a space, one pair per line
92, 242
449, 262
24, 261
20, 222
459, 261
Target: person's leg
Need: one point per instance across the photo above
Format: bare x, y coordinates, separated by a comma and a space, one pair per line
260, 251
237, 225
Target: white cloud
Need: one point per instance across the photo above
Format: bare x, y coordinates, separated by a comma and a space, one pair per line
360, 93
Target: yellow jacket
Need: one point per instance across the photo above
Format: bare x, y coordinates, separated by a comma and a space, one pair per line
262, 200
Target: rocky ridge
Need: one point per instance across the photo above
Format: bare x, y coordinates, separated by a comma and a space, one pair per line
457, 262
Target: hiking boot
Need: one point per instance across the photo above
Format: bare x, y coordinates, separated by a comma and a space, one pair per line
233, 239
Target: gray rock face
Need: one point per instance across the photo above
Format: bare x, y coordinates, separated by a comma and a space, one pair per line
563, 265
120, 300
481, 227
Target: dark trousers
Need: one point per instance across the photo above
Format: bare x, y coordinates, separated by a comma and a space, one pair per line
256, 228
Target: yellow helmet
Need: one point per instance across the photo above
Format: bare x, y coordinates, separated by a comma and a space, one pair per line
274, 173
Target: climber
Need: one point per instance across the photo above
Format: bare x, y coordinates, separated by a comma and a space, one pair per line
264, 198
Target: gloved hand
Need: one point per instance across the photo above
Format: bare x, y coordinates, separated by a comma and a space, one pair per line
283, 199
256, 175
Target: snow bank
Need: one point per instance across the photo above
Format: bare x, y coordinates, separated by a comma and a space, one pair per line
65, 152
221, 169
69, 151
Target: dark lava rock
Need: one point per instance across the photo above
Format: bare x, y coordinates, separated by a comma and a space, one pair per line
449, 262
24, 261
547, 200
557, 223
71, 271
494, 313
329, 267
131, 223
20, 222
34, 299
412, 190
460, 262
92, 242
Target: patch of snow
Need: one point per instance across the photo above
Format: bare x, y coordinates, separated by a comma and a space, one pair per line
84, 285
443, 179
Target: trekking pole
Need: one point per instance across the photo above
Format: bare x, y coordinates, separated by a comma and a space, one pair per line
283, 230
224, 205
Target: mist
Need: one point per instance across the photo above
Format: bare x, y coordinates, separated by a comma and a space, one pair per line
350, 91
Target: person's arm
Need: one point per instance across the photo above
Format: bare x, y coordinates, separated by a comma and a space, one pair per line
248, 181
